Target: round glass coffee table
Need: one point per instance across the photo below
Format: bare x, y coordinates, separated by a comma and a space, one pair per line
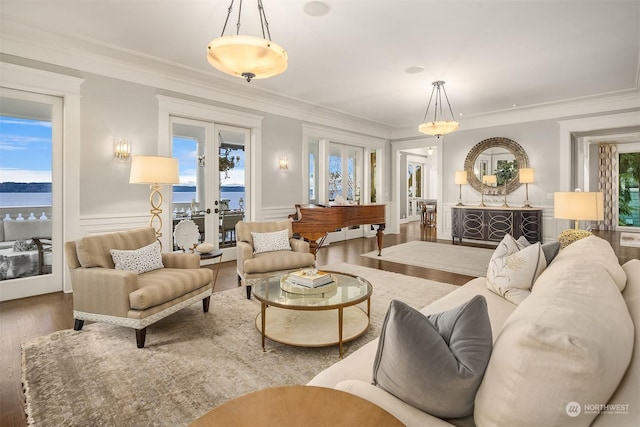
316, 320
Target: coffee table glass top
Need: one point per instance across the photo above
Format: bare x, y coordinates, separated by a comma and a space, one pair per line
350, 290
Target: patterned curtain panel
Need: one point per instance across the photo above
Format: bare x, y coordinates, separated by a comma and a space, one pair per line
608, 183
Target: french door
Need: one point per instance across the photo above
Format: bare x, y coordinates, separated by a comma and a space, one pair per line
31, 194
414, 190
345, 183
211, 192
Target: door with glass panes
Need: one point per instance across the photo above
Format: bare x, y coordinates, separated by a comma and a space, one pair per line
212, 193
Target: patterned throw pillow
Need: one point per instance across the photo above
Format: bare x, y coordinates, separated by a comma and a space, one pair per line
271, 242
513, 270
139, 261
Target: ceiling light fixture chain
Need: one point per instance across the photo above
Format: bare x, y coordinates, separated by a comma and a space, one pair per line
438, 127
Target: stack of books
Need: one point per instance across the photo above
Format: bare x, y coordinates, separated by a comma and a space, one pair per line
302, 278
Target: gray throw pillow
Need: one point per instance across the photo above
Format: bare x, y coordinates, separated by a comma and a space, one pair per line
549, 249
436, 362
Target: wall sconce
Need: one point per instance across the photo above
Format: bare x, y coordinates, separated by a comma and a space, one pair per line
461, 179
284, 163
121, 149
526, 177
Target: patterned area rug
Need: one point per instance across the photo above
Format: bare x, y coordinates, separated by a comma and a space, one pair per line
192, 361
452, 258
630, 239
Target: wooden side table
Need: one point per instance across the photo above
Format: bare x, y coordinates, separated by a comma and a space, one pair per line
297, 406
216, 253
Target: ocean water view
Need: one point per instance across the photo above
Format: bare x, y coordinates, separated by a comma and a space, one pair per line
232, 196
8, 200
11, 200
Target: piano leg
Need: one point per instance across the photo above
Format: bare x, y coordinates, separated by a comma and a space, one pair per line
380, 235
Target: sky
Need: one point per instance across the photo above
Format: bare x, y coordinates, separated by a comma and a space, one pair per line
25, 154
25, 150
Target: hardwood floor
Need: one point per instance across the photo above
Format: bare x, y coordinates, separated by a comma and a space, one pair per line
28, 318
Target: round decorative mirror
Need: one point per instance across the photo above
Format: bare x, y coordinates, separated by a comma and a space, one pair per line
497, 156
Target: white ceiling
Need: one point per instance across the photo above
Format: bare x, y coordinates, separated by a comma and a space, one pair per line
492, 54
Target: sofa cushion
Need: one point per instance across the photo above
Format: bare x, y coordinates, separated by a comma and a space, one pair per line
598, 251
550, 249
271, 242
407, 414
94, 251
139, 261
436, 362
569, 341
513, 270
159, 286
628, 392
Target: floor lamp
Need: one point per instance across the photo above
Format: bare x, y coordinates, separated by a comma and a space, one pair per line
154, 171
526, 177
577, 206
461, 179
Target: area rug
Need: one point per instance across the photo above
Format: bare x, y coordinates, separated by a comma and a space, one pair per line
630, 239
465, 260
192, 361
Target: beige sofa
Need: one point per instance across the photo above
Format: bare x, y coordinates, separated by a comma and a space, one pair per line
125, 298
568, 355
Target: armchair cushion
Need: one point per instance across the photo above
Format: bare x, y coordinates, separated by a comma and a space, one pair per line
147, 258
271, 242
162, 285
275, 261
94, 251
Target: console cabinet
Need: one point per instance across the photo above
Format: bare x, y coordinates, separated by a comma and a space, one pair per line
492, 223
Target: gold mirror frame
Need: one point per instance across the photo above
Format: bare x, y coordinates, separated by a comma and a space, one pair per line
521, 158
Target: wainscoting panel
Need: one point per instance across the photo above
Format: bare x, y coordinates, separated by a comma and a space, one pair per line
98, 224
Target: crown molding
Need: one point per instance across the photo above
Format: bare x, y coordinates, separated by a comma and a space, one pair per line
89, 56
628, 100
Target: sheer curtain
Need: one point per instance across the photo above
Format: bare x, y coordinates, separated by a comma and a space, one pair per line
608, 183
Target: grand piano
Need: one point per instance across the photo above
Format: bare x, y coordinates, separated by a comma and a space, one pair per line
314, 222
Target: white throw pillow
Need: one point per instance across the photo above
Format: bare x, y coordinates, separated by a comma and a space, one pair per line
271, 242
139, 261
512, 270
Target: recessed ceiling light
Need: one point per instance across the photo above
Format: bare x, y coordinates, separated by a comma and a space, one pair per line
514, 105
316, 8
414, 69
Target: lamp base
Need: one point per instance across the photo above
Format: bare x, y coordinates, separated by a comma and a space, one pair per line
460, 203
505, 205
526, 204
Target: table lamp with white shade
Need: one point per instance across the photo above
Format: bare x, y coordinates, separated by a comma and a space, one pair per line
155, 171
526, 177
577, 206
489, 180
460, 179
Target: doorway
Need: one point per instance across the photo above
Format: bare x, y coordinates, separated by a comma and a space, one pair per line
212, 191
30, 194
628, 183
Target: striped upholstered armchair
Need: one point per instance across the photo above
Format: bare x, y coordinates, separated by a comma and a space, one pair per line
273, 256
140, 287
